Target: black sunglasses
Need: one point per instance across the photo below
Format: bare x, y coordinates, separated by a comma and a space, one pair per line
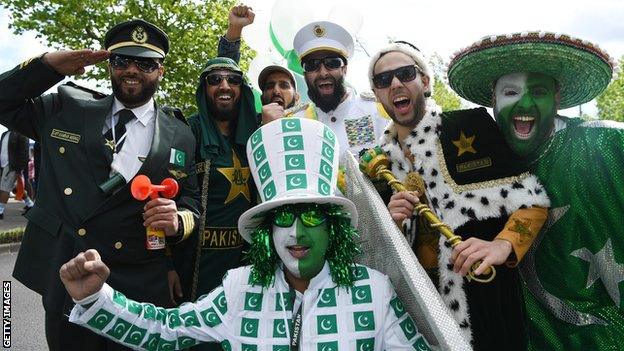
331, 63
232, 79
146, 65
404, 74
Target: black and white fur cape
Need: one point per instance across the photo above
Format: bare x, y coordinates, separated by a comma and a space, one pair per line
456, 204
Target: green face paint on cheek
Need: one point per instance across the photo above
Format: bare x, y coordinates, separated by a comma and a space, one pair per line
525, 107
317, 239
302, 249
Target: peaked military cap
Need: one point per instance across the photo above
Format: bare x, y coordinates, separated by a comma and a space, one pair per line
137, 38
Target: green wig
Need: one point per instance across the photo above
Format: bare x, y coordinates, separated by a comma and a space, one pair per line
340, 253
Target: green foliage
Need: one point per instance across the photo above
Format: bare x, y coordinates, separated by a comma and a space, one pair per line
445, 97
12, 235
611, 102
442, 94
193, 27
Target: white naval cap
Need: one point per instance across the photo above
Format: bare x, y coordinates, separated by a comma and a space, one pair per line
323, 35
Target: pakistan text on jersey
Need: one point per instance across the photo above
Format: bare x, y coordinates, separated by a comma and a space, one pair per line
222, 238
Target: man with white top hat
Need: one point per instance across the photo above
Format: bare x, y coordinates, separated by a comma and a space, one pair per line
302, 290
324, 49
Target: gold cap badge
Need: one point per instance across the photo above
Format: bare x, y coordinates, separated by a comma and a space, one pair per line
139, 35
319, 31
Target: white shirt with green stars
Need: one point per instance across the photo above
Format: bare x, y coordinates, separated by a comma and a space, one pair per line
244, 317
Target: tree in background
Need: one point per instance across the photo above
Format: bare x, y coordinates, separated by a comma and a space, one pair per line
442, 94
611, 102
193, 27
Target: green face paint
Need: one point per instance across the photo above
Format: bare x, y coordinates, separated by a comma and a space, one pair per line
525, 107
302, 248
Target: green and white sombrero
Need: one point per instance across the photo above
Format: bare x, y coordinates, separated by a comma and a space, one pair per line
582, 69
292, 160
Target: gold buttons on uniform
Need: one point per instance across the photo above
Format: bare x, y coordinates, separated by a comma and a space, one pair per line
118, 245
82, 232
62, 150
68, 191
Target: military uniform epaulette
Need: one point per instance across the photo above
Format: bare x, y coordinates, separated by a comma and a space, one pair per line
368, 96
174, 112
81, 92
474, 148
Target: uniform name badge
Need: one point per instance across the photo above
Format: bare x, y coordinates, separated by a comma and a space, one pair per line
177, 157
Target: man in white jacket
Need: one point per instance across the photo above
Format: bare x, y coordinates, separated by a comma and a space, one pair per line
302, 290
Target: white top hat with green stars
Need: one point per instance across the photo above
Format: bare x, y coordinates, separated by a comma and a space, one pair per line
292, 160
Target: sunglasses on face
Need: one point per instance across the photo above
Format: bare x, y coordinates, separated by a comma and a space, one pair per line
146, 65
311, 215
404, 74
232, 79
330, 63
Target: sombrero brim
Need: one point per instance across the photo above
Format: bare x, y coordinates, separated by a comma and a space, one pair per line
250, 219
581, 69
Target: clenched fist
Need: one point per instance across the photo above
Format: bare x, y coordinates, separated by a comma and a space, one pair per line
84, 274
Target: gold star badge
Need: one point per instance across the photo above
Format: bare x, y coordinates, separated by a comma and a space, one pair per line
464, 144
110, 143
238, 177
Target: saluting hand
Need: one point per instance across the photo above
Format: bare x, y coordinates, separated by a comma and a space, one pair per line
73, 62
84, 274
161, 214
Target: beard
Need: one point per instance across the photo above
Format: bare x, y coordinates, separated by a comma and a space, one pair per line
137, 98
327, 102
229, 113
419, 104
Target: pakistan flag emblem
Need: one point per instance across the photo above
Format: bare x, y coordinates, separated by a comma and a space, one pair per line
253, 302
326, 324
100, 320
210, 317
327, 346
361, 294
328, 298
249, 327
279, 328
364, 321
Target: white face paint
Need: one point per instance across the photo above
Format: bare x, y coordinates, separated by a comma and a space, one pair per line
282, 239
509, 89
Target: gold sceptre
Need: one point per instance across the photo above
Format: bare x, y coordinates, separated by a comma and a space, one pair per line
374, 163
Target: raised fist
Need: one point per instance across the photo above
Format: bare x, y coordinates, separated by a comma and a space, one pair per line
84, 274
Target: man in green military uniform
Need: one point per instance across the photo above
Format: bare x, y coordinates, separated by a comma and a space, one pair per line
91, 149
225, 120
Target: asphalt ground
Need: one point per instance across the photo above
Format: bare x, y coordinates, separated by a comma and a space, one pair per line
27, 316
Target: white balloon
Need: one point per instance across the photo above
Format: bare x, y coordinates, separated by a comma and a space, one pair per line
287, 17
350, 18
256, 66
256, 35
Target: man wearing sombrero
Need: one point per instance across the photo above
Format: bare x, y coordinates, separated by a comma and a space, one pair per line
574, 271
302, 290
474, 183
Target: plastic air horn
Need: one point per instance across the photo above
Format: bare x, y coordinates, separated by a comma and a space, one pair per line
142, 188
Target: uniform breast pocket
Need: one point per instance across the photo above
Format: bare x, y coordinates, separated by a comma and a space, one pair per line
45, 220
